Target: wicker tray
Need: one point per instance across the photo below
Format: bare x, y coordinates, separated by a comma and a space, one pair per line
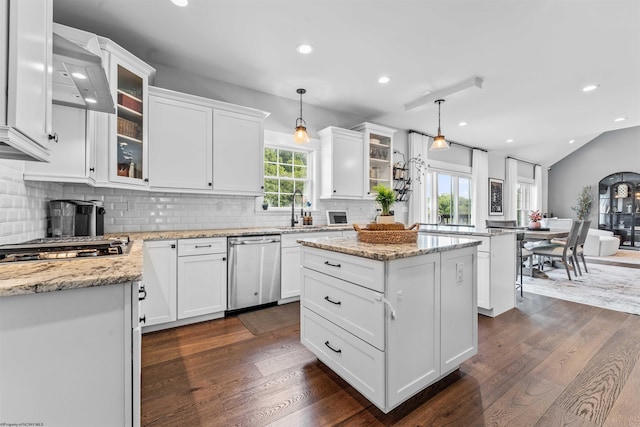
388, 233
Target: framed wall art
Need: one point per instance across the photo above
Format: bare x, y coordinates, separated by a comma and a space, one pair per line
495, 196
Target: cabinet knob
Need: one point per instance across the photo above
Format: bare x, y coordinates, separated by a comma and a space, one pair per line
211, 184
173, 246
334, 191
92, 169
143, 319
224, 258
146, 180
54, 137
262, 187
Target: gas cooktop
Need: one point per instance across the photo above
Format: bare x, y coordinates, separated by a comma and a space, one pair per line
59, 248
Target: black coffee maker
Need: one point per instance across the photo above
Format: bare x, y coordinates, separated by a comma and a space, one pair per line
75, 218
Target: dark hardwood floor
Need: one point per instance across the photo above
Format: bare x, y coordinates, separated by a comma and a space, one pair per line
546, 363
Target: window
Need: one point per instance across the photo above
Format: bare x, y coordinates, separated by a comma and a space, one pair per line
524, 200
452, 201
285, 170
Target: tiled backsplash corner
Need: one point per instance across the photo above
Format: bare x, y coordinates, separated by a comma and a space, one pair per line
23, 205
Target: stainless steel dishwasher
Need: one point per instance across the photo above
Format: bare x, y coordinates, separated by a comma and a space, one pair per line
253, 271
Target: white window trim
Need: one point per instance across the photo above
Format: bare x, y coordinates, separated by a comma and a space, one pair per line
458, 171
284, 141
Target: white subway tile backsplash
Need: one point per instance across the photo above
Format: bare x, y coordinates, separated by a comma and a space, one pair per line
23, 206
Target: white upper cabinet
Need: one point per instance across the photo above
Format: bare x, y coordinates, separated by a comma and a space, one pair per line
378, 155
73, 155
127, 136
25, 78
202, 145
341, 164
181, 134
238, 153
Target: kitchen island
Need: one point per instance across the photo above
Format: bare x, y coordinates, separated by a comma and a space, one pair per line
390, 319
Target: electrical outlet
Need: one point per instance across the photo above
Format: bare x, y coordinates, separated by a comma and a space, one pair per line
459, 272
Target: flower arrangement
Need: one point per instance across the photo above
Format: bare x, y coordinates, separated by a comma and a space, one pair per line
535, 216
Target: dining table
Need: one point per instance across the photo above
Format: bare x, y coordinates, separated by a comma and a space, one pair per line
537, 235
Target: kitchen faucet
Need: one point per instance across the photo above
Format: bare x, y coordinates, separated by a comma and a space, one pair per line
294, 221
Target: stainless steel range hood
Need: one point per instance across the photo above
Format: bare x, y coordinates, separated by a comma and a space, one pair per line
79, 79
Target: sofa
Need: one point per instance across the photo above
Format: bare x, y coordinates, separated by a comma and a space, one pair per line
601, 243
554, 224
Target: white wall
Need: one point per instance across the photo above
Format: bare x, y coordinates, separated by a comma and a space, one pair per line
614, 151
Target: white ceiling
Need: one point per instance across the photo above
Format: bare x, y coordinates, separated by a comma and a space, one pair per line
533, 55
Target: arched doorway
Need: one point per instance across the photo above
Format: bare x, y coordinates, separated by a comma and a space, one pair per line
619, 207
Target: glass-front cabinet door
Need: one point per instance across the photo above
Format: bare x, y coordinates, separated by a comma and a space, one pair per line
619, 207
131, 130
378, 143
127, 143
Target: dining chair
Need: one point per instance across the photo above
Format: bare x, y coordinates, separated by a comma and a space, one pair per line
564, 252
579, 248
522, 255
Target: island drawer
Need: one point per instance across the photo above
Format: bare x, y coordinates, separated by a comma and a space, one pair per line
354, 308
203, 246
362, 271
360, 364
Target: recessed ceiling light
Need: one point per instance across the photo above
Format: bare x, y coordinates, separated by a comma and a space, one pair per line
181, 3
304, 48
509, 140
589, 88
384, 79
463, 124
78, 75
620, 119
572, 141
90, 100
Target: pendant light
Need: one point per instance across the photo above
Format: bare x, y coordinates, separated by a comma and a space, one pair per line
439, 143
301, 136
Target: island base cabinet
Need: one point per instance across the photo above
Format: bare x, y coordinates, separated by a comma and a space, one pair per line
67, 357
413, 333
459, 313
391, 345
359, 363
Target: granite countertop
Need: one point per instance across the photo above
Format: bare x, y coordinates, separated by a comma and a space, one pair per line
466, 231
45, 276
383, 252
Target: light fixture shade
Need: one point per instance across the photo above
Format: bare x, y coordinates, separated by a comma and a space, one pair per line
300, 136
439, 144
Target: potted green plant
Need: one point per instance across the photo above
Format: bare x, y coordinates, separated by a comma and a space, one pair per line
385, 197
583, 205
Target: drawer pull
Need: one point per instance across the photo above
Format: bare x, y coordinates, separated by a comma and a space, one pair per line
142, 293
331, 301
331, 265
202, 246
382, 299
332, 349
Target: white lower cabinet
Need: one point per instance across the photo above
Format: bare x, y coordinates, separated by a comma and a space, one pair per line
390, 328
159, 266
202, 277
185, 280
290, 261
71, 357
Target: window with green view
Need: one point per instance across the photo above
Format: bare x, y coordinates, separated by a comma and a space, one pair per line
284, 172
